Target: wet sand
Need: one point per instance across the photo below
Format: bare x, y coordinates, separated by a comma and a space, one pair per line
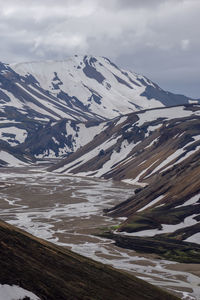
69, 210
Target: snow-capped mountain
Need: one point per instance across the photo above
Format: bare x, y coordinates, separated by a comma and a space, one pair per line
94, 85
79, 88
50, 109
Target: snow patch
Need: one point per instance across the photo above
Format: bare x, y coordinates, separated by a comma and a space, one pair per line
14, 292
10, 159
152, 203
167, 113
195, 238
191, 201
20, 134
166, 228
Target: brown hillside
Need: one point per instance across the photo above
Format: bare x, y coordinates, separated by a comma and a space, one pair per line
52, 272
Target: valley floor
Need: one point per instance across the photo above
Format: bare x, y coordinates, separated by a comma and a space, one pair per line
69, 210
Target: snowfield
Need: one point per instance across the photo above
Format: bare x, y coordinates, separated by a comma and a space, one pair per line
19, 134
10, 159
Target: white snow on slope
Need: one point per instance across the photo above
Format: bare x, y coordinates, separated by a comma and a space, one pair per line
189, 221
135, 181
80, 134
45, 103
152, 203
14, 292
189, 153
66, 169
116, 157
167, 113
117, 91
6, 121
170, 158
84, 134
13, 101
53, 103
175, 155
191, 201
195, 238
121, 120
152, 128
20, 134
10, 159
151, 144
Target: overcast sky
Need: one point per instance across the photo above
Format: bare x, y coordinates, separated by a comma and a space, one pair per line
157, 38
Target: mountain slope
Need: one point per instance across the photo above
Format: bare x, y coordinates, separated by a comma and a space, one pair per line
79, 88
52, 272
23, 95
38, 99
97, 85
164, 217
61, 138
157, 149
135, 142
173, 197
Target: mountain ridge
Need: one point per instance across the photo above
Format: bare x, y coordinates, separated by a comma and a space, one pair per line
158, 151
38, 95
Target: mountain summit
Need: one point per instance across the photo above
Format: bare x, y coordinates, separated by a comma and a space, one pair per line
93, 85
50, 102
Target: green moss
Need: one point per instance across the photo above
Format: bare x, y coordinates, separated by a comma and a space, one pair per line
162, 246
115, 227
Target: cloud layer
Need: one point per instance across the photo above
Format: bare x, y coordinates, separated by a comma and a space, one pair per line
159, 38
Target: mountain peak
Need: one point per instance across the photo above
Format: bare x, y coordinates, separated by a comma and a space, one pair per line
78, 89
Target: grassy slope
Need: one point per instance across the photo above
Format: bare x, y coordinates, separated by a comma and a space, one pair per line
52, 272
168, 248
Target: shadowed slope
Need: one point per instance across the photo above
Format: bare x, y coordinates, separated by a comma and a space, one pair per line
52, 272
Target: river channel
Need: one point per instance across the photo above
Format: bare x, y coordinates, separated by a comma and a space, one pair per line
68, 210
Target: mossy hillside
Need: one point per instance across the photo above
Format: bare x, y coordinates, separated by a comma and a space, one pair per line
161, 245
154, 217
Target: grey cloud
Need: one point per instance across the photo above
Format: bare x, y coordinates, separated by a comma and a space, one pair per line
132, 4
158, 38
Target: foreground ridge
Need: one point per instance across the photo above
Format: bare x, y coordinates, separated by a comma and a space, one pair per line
52, 272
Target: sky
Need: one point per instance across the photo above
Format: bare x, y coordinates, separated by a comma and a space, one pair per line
157, 38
